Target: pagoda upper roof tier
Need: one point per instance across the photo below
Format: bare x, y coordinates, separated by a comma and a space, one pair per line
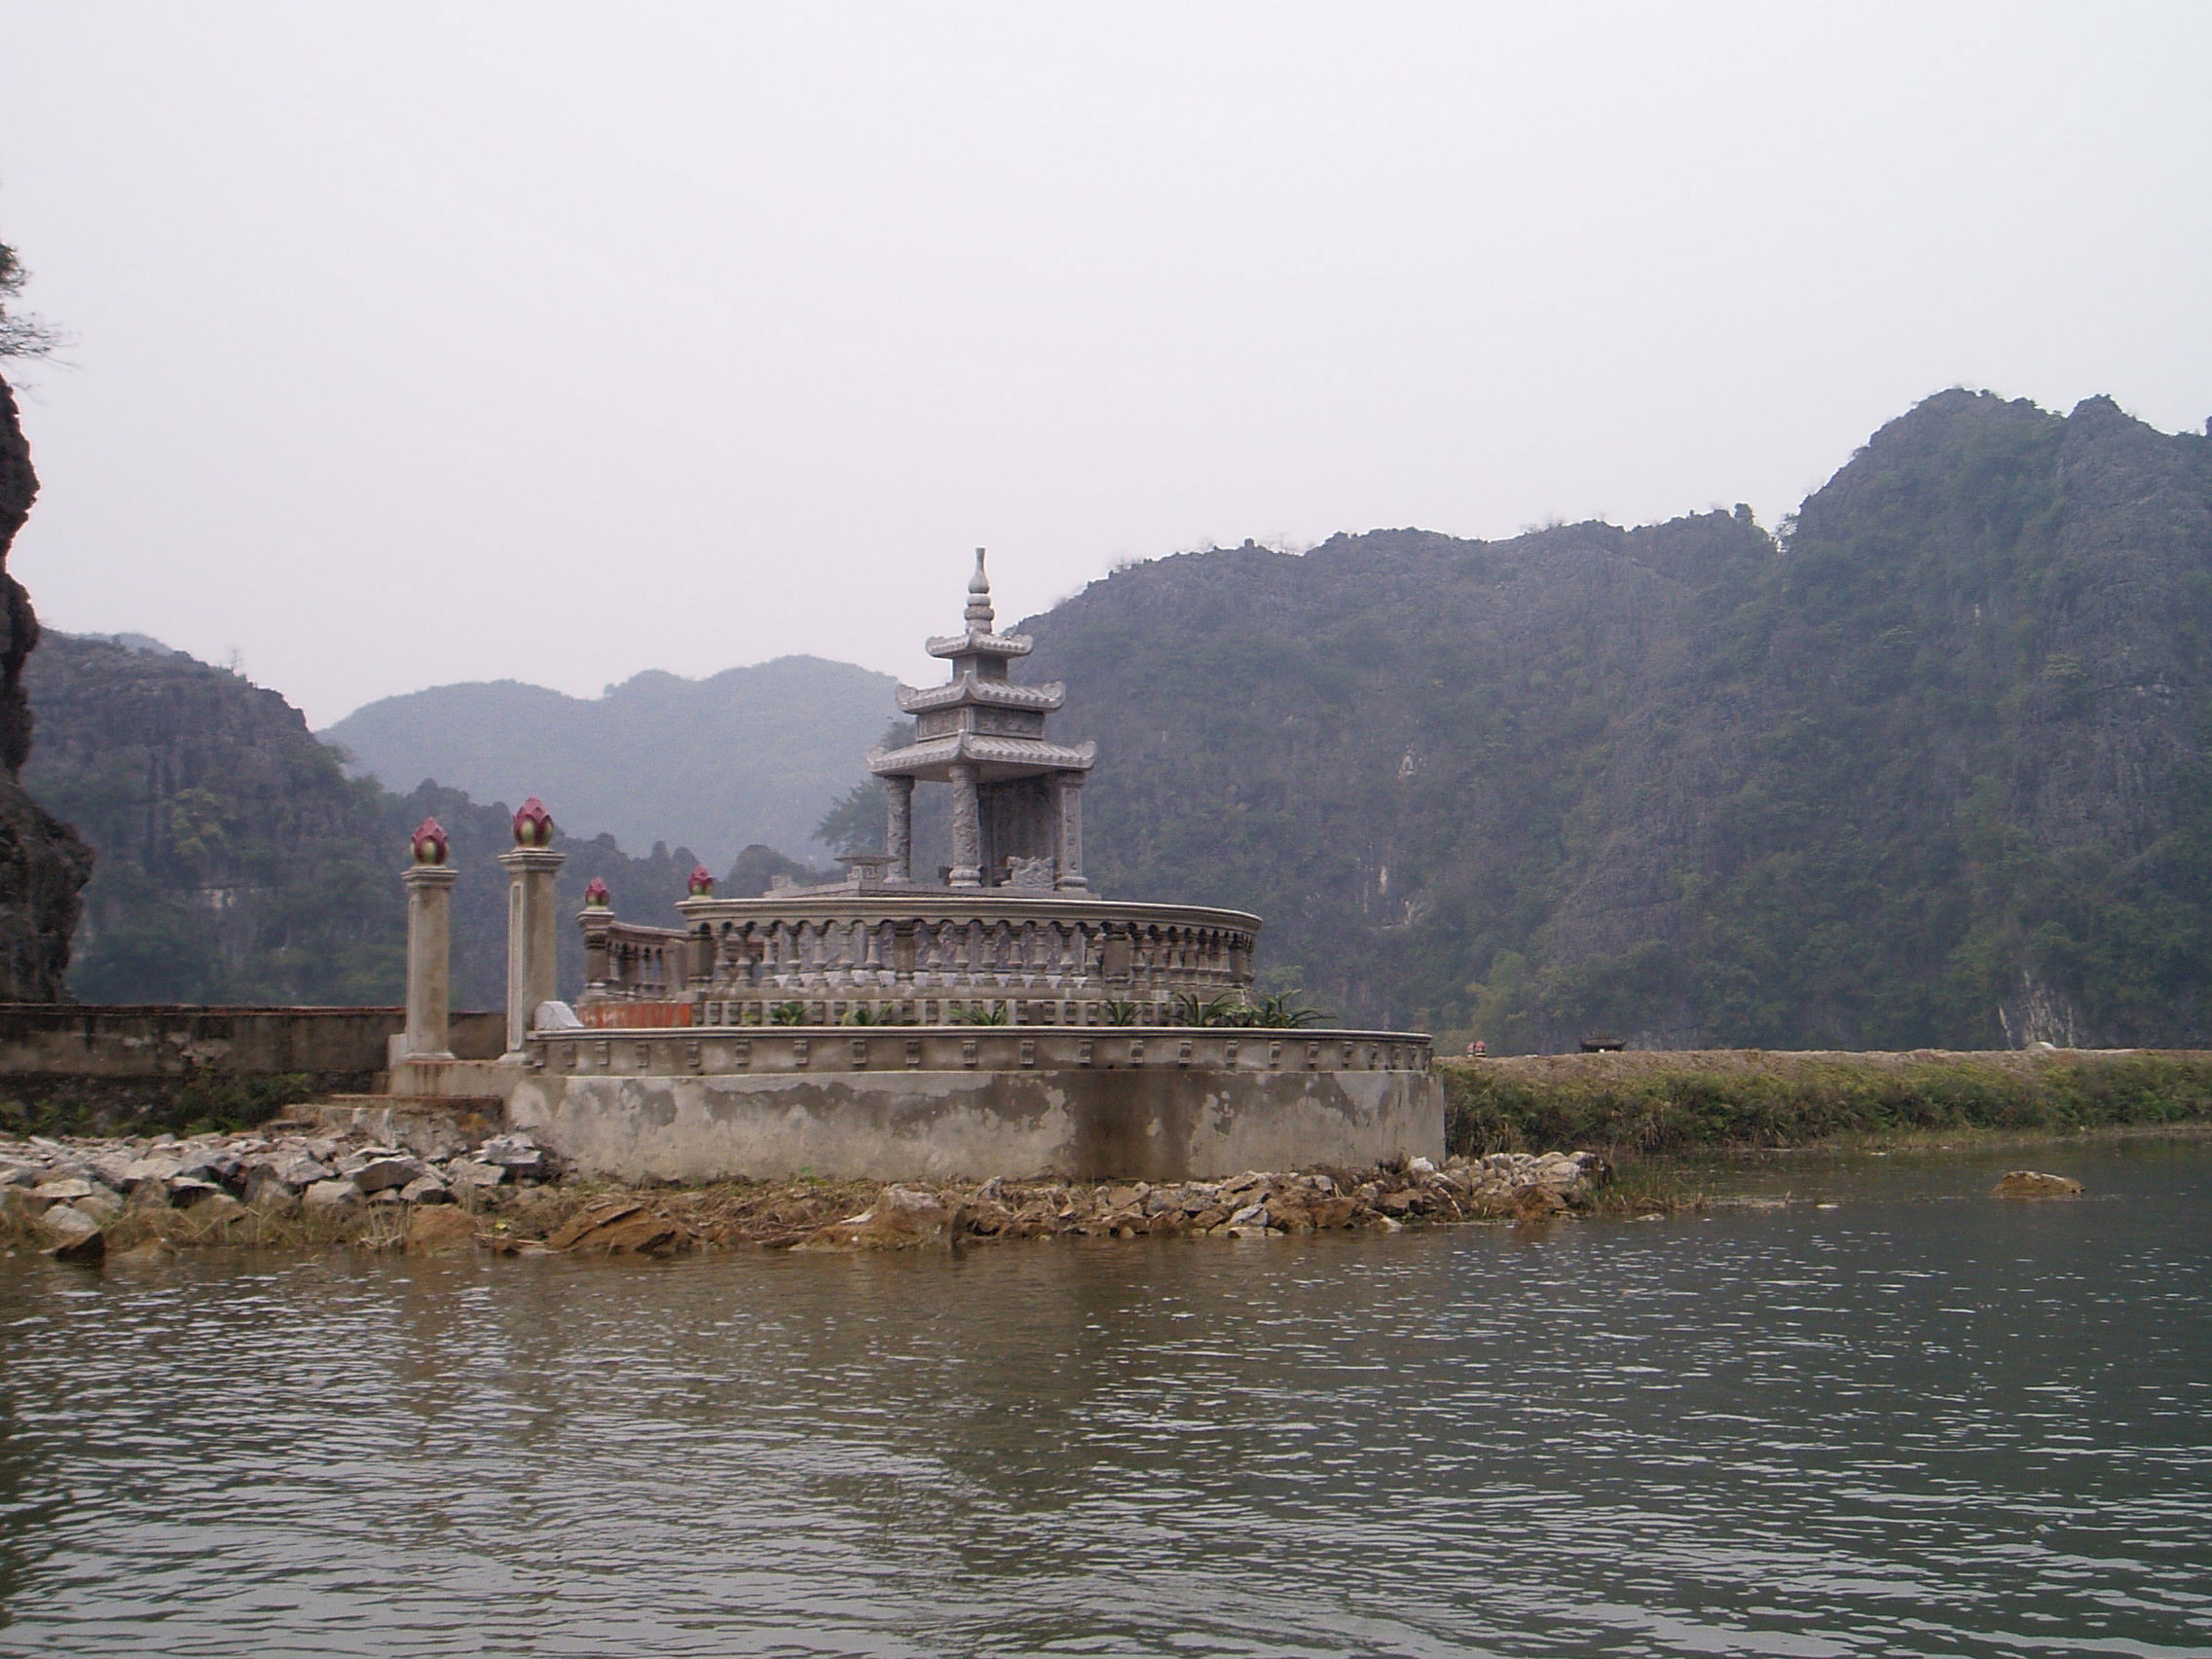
980, 642
995, 758
994, 693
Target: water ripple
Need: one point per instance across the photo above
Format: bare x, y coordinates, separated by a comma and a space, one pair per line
1920, 1424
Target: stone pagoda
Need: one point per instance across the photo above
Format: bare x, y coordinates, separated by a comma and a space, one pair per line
1004, 1018
1017, 796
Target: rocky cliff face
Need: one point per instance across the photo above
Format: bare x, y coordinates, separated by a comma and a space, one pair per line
42, 865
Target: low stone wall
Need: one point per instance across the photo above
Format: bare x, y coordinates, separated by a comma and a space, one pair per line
920, 1103
79, 1040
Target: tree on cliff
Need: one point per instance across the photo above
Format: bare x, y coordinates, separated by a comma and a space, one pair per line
20, 335
42, 865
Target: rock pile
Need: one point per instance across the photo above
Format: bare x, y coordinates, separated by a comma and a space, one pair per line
68, 1194
506, 1193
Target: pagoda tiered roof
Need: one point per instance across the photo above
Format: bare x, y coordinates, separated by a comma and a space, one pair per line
993, 693
980, 642
995, 757
956, 721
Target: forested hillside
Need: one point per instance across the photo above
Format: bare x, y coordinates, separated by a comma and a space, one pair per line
238, 863
748, 755
1927, 769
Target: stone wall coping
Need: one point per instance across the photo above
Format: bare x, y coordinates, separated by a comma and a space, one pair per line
1270, 1033
78, 1010
890, 1051
939, 904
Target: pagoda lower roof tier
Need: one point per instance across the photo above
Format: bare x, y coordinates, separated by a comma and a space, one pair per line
991, 693
995, 758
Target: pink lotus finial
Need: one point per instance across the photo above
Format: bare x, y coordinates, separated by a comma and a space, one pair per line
596, 896
702, 882
428, 842
534, 825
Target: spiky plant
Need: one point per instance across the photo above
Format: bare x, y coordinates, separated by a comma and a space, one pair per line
1281, 1012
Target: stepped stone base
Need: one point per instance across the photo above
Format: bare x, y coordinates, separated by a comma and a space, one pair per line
430, 1127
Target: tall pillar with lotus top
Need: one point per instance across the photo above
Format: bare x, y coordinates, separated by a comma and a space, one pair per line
533, 929
429, 880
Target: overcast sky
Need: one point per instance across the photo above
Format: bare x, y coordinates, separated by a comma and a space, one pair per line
421, 342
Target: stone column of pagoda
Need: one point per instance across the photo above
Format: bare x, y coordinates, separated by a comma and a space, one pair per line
967, 825
429, 883
899, 828
1067, 802
532, 934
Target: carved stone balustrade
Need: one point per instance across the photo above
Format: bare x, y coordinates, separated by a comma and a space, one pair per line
930, 957
629, 962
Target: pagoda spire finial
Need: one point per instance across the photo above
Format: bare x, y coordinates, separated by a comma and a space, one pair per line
979, 615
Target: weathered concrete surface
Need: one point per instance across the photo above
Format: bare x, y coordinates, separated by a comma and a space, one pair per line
1132, 1124
87, 1040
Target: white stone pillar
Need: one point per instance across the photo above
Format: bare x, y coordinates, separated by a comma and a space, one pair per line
967, 825
533, 937
533, 931
899, 828
429, 961
1067, 797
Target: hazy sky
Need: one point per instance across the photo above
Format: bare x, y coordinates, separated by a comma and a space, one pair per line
420, 343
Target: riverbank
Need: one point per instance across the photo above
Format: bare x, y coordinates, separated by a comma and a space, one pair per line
84, 1200
1672, 1102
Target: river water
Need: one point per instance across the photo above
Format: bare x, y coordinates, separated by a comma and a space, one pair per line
1922, 1422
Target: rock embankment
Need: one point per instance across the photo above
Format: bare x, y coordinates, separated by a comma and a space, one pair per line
75, 1199
72, 1195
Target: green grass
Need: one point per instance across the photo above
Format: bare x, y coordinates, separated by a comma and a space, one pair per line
1668, 1103
216, 1102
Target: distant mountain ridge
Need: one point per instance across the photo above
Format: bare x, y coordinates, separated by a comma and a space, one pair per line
752, 755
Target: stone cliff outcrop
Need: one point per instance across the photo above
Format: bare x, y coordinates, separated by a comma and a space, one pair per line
42, 865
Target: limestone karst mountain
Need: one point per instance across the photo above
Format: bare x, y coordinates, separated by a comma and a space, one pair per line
238, 863
42, 865
751, 755
1927, 770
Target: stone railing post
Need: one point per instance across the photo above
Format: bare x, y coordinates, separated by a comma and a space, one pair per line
598, 921
429, 948
532, 935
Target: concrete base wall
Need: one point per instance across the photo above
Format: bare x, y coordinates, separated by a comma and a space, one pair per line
88, 1040
1132, 1124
